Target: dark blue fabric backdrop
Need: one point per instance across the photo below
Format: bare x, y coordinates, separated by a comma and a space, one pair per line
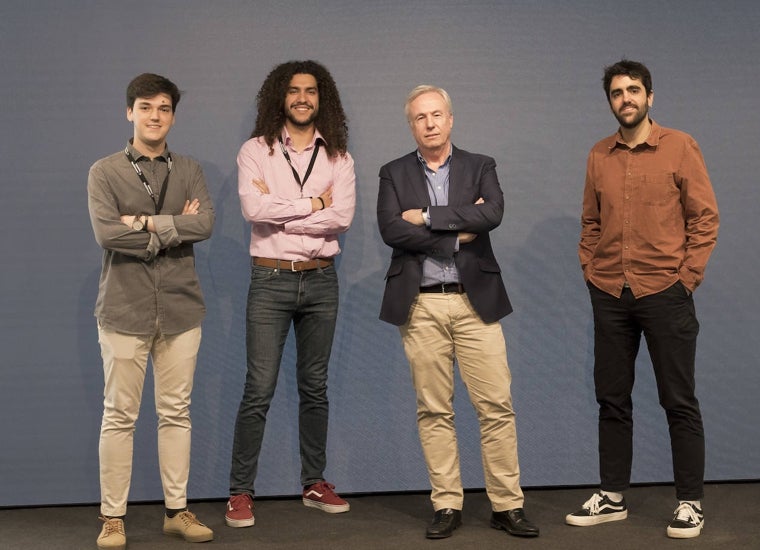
525, 81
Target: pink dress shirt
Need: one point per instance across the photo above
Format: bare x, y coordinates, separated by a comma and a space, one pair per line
283, 226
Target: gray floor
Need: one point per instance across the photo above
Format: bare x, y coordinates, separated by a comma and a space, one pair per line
397, 522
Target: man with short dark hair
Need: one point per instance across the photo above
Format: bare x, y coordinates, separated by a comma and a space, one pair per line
436, 207
296, 186
147, 207
648, 227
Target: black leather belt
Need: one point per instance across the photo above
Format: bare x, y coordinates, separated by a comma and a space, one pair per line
292, 265
444, 288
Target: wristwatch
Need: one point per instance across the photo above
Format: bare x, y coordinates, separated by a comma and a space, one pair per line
139, 223
426, 216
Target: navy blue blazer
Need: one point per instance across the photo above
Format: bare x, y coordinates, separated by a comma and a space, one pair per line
403, 187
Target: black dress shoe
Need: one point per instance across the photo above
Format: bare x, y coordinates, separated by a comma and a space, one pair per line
444, 523
514, 522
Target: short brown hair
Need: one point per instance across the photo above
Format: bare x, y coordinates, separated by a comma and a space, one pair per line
150, 85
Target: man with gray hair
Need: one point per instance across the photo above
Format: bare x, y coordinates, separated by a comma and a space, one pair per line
435, 208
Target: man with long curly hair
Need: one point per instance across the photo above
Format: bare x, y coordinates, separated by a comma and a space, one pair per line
296, 186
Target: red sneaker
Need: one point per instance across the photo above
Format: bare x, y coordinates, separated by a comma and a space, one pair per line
321, 495
239, 511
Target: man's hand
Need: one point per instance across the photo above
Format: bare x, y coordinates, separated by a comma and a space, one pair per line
191, 207
413, 216
326, 202
128, 220
261, 185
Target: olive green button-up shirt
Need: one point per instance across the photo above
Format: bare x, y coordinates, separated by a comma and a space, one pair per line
649, 217
148, 278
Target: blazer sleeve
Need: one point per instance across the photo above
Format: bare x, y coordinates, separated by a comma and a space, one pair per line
395, 195
473, 177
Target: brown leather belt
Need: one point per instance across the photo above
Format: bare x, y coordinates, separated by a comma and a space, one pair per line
444, 288
292, 265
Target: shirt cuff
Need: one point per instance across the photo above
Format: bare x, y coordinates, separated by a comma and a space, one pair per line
426, 216
165, 230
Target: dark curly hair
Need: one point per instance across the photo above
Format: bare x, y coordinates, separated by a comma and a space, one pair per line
270, 101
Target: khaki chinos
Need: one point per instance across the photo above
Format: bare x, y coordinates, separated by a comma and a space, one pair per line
442, 328
125, 359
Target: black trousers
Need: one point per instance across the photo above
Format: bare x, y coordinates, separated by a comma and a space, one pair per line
669, 324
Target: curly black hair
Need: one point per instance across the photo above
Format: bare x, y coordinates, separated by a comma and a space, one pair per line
270, 101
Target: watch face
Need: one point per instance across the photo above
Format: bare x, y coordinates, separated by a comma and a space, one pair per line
138, 224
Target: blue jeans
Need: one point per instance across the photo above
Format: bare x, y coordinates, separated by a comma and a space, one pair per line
308, 299
669, 325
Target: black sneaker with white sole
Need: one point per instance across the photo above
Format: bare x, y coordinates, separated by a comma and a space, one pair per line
687, 523
598, 509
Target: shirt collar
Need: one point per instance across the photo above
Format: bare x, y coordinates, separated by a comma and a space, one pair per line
444, 164
137, 155
652, 140
286, 139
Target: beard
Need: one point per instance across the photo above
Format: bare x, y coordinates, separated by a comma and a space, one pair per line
636, 120
303, 122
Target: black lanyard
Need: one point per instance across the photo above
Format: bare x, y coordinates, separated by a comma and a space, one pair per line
311, 163
157, 205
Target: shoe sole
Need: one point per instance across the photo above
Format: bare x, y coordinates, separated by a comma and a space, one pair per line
439, 536
239, 522
497, 525
329, 508
188, 538
686, 533
586, 521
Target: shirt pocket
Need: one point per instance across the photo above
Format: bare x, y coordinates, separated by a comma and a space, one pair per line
657, 189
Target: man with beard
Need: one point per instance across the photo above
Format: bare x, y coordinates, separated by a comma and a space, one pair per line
648, 226
296, 186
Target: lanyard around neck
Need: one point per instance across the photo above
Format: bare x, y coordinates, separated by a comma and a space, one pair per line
156, 205
311, 162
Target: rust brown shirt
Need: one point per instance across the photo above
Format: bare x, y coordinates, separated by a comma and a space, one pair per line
650, 217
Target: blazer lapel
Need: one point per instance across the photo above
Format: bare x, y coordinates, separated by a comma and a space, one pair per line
415, 175
457, 178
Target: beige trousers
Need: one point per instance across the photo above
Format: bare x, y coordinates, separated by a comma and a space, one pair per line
443, 328
125, 359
